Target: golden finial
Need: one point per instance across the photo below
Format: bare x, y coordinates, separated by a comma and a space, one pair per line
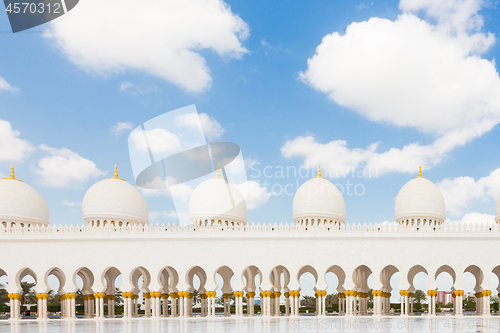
12, 176
420, 172
218, 173
319, 172
116, 174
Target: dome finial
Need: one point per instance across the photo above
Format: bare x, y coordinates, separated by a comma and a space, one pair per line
12, 176
116, 174
218, 173
319, 172
420, 172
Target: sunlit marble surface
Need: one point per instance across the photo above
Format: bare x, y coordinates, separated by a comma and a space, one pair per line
258, 324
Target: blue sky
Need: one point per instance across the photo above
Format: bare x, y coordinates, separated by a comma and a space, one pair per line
384, 84
263, 94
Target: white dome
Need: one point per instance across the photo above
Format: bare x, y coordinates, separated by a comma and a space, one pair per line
420, 199
215, 199
318, 199
114, 199
497, 210
20, 203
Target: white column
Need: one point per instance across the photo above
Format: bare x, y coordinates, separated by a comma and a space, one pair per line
72, 305
147, 304
297, 304
174, 304
213, 305
277, 307
250, 304
111, 306
97, 305
181, 304
459, 302
402, 304
486, 302
239, 302
44, 306
165, 304
158, 305
209, 305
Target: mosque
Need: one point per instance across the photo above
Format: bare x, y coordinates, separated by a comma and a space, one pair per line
158, 263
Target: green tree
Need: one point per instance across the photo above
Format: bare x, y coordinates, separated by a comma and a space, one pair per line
308, 301
196, 297
118, 297
420, 296
370, 295
28, 296
470, 302
79, 298
331, 299
53, 298
4, 295
219, 300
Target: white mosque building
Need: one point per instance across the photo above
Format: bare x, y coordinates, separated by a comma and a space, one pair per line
159, 262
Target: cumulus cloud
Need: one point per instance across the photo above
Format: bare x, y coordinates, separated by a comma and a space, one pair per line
65, 168
157, 188
257, 194
475, 218
460, 192
411, 73
176, 33
334, 155
159, 139
6, 86
210, 126
12, 148
133, 89
121, 127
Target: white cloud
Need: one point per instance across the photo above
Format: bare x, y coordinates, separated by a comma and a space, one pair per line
181, 191
155, 188
410, 73
460, 192
335, 156
210, 126
6, 86
155, 215
133, 89
71, 203
12, 148
457, 16
159, 139
475, 218
65, 168
162, 38
257, 194
121, 127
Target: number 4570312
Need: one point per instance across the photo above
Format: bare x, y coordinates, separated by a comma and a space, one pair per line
30, 7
